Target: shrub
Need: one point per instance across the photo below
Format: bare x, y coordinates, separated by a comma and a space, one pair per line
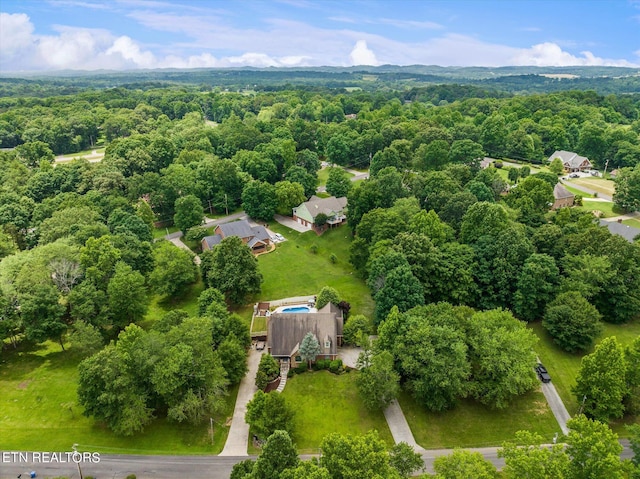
336, 366
196, 233
131, 476
327, 295
578, 200
313, 248
333, 258
302, 368
268, 370
354, 326
497, 164
321, 364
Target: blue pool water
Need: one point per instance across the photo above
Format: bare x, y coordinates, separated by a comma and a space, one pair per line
296, 309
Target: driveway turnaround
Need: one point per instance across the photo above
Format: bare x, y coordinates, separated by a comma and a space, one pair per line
238, 437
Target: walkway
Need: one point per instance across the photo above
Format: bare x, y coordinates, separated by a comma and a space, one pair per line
238, 437
399, 427
284, 373
178, 242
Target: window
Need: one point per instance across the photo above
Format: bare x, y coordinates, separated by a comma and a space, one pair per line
327, 344
298, 359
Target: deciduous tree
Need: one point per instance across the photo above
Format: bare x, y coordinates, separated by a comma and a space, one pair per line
600, 384
174, 269
378, 383
572, 322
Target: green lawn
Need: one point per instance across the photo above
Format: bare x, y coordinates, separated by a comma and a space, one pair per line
471, 424
160, 305
632, 222
563, 367
608, 208
326, 403
38, 411
162, 232
323, 176
99, 151
259, 324
292, 270
576, 191
600, 185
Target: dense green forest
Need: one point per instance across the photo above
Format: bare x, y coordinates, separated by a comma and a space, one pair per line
429, 226
513, 80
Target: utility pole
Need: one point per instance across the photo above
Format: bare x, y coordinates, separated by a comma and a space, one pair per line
226, 205
606, 163
211, 422
77, 458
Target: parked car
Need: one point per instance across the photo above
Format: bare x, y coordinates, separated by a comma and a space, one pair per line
543, 374
279, 237
574, 175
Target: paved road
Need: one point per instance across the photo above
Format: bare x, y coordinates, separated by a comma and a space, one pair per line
588, 190
238, 437
119, 466
211, 467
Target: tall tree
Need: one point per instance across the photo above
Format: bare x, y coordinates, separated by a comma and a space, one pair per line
268, 413
600, 385
309, 348
278, 454
463, 464
259, 200
338, 182
537, 285
174, 269
127, 295
526, 457
189, 212
627, 193
572, 322
233, 270
378, 383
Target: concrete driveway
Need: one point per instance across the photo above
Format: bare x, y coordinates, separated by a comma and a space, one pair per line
238, 437
290, 223
556, 405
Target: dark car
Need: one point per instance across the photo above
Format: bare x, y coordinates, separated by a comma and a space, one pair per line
542, 373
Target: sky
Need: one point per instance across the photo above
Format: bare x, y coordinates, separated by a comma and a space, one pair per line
49, 35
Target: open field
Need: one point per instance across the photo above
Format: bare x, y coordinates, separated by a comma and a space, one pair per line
38, 411
326, 403
600, 185
470, 424
293, 270
563, 367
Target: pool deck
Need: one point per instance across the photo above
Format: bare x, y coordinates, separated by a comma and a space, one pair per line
295, 300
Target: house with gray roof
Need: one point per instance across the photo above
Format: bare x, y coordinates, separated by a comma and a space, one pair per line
286, 331
334, 208
255, 237
563, 198
571, 161
618, 228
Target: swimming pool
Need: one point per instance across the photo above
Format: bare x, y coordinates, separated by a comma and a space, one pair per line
296, 309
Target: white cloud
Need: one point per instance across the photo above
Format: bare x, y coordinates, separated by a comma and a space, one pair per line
213, 41
362, 55
130, 51
15, 34
550, 54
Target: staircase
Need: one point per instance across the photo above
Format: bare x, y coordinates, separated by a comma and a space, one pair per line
284, 370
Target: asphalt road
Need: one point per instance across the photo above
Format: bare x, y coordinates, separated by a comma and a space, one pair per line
172, 467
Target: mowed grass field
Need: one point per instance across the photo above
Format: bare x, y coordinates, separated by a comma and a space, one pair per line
600, 185
293, 270
471, 424
326, 403
39, 411
563, 367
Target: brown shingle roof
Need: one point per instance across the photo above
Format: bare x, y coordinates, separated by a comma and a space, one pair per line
286, 331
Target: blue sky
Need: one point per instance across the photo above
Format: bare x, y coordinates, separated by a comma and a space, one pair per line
125, 34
